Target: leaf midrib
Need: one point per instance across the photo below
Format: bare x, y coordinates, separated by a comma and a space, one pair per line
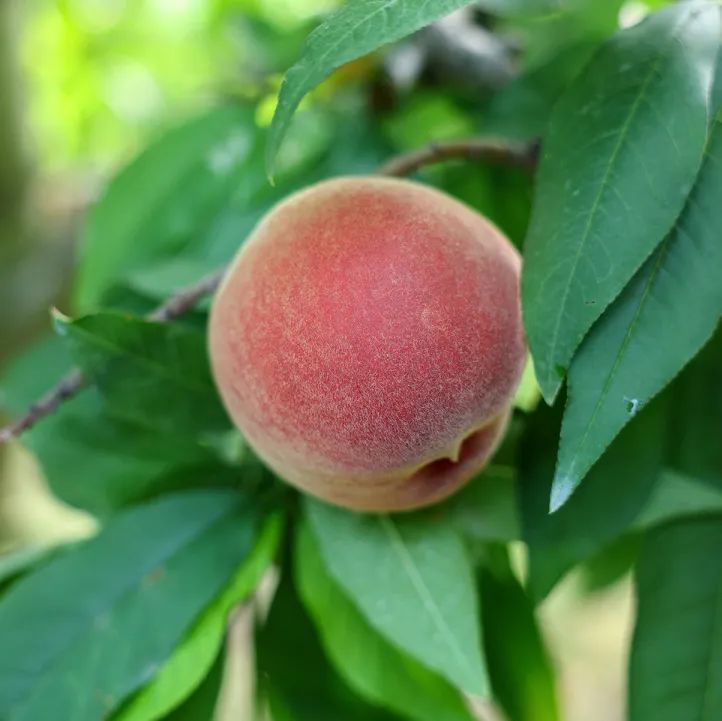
423, 591
649, 285
595, 208
309, 70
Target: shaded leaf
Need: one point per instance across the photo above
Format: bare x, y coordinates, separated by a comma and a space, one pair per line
411, 579
660, 321
695, 449
307, 691
158, 280
355, 29
91, 627
521, 109
619, 158
676, 662
194, 657
487, 509
520, 671
155, 374
604, 507
675, 496
609, 565
369, 664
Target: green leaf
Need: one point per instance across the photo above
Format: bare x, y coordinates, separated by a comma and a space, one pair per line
194, 657
306, 691
521, 109
676, 661
200, 186
158, 280
201, 704
370, 665
156, 206
611, 563
620, 156
606, 506
645, 337
717, 88
486, 509
22, 560
80, 441
411, 579
586, 12
93, 626
355, 29
503, 7
520, 671
155, 374
695, 449
675, 496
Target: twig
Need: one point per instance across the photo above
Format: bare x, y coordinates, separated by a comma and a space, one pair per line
181, 302
490, 150
68, 387
176, 306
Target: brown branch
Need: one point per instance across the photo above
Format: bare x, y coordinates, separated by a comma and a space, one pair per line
68, 387
184, 300
494, 151
489, 150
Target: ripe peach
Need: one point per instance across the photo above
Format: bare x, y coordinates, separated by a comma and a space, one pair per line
368, 340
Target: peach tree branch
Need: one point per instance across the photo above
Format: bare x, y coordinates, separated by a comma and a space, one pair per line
498, 152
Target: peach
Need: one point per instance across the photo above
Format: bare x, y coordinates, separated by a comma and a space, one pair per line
368, 340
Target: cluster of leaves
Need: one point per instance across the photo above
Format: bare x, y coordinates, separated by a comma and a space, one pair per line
399, 616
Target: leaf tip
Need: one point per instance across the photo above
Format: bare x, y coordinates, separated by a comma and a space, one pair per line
562, 488
60, 320
550, 384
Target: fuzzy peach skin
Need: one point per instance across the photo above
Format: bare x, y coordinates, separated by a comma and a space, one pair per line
368, 340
